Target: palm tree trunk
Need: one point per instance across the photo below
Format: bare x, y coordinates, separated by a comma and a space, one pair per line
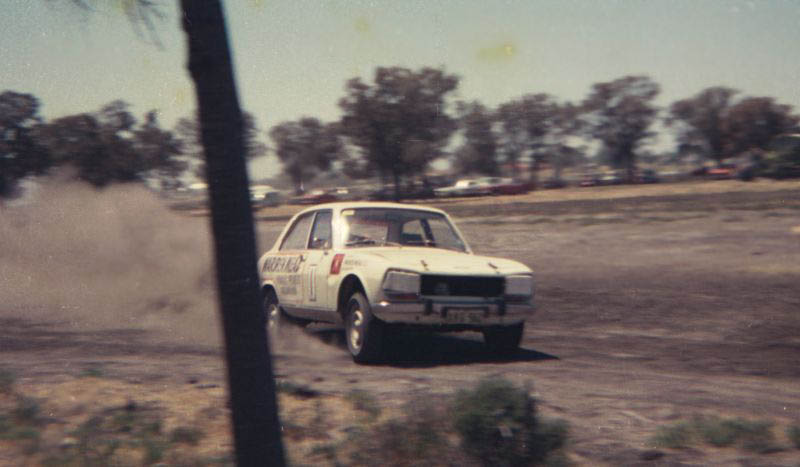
251, 385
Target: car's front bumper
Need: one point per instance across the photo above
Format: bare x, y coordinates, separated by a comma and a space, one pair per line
456, 312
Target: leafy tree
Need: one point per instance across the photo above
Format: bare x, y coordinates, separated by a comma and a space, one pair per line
619, 114
701, 122
754, 122
538, 126
160, 150
566, 124
478, 154
305, 147
106, 146
399, 123
20, 152
98, 150
188, 131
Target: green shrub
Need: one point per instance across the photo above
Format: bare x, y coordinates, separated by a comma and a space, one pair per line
717, 432
93, 371
793, 433
497, 425
673, 437
364, 402
5, 425
154, 450
750, 435
26, 411
7, 379
187, 435
418, 438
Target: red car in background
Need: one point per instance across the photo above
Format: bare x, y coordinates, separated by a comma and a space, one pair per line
510, 186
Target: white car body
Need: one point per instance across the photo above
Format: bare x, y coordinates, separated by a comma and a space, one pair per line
410, 265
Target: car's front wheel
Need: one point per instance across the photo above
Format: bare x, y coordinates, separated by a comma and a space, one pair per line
363, 331
275, 318
503, 340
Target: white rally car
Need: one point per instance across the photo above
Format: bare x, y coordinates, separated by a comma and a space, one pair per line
374, 267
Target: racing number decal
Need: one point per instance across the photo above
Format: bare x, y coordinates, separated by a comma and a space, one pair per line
312, 281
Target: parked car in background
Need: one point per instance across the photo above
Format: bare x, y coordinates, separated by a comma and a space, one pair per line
465, 187
589, 180
648, 176
610, 178
721, 172
783, 160
377, 268
410, 191
553, 183
315, 197
265, 195
511, 186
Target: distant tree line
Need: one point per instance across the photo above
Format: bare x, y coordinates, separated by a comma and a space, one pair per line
394, 127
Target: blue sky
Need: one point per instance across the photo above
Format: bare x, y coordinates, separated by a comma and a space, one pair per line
293, 57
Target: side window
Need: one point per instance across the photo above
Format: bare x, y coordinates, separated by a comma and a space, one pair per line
297, 237
321, 233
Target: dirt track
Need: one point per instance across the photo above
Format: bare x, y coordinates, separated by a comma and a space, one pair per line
651, 310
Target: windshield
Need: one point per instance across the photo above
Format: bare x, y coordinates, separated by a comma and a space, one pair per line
388, 226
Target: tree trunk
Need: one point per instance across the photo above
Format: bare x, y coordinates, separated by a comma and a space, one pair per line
396, 177
630, 167
533, 179
251, 386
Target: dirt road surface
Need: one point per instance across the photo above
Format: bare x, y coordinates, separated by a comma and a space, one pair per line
652, 308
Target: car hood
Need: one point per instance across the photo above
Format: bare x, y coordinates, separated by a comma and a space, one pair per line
440, 261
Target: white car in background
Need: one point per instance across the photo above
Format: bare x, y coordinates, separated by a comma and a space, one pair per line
465, 187
376, 267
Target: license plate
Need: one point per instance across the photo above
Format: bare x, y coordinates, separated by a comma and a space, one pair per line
464, 315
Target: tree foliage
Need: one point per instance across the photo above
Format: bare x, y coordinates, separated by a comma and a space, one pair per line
107, 146
754, 122
619, 114
525, 123
160, 150
718, 127
478, 154
399, 123
21, 154
188, 130
700, 121
305, 147
538, 126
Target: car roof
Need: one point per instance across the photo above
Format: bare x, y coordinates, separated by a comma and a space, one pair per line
342, 205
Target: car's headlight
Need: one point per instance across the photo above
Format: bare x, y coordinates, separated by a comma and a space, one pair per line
519, 286
401, 285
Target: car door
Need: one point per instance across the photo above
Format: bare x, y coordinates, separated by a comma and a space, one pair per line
286, 267
318, 262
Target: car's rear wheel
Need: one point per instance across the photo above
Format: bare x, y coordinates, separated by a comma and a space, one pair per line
503, 340
363, 331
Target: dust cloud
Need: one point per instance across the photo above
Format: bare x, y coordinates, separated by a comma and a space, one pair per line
117, 258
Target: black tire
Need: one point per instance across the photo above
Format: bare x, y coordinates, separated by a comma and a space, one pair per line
275, 317
503, 340
363, 331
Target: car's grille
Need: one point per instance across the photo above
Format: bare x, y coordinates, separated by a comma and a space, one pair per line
461, 286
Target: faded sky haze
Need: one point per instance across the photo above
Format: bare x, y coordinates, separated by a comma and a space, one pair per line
293, 58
